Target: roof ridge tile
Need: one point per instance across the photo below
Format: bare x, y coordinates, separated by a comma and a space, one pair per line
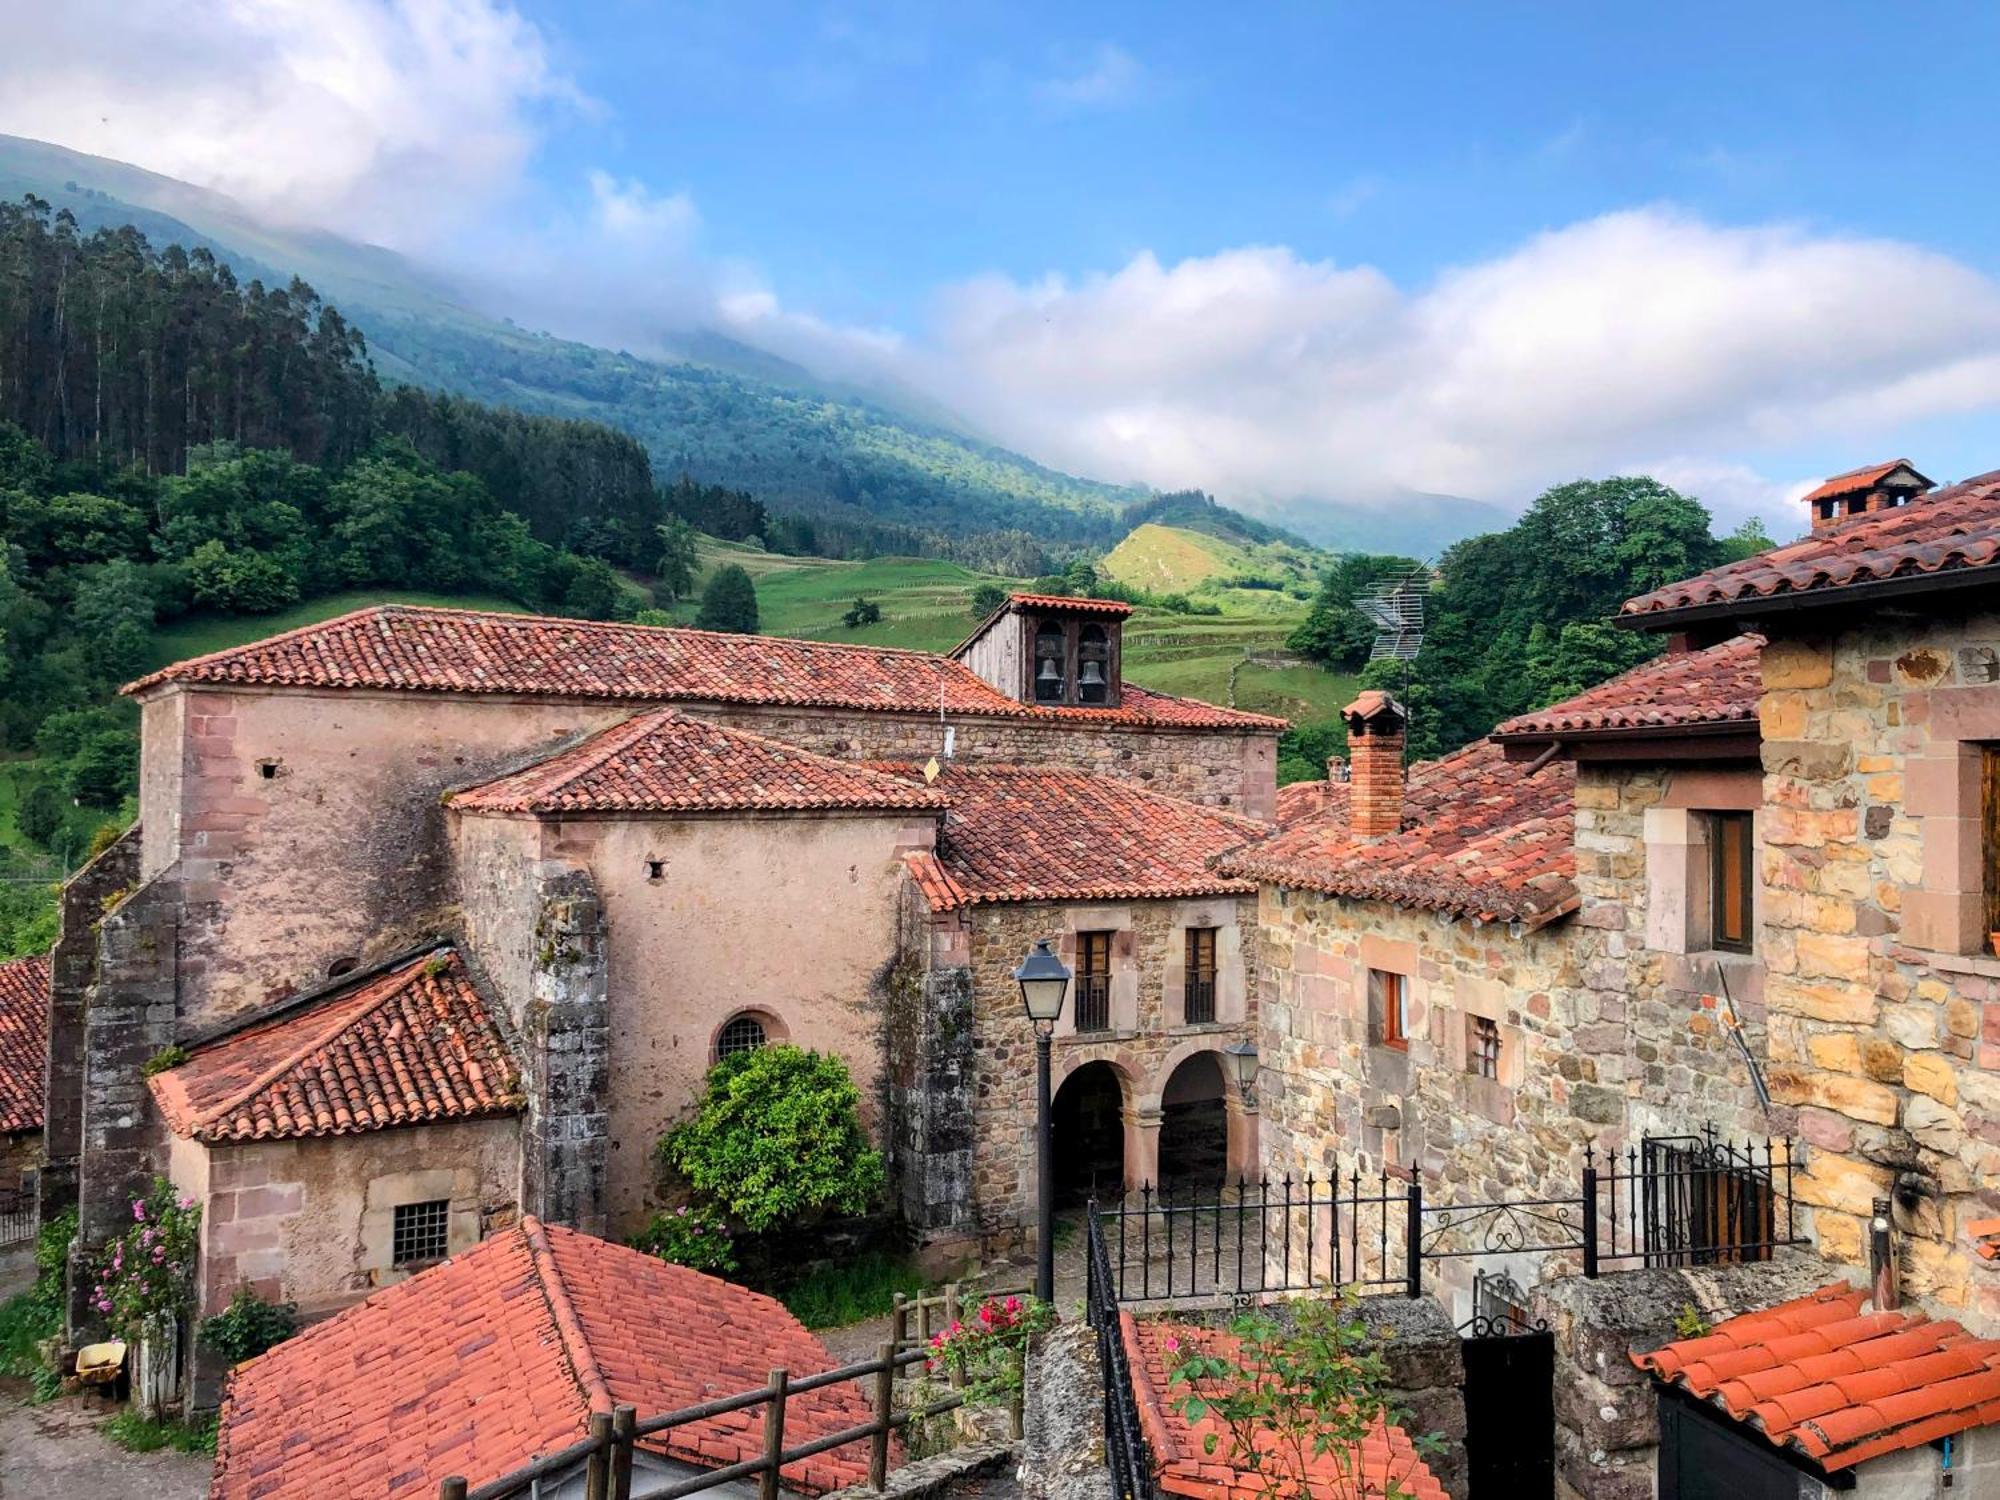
569, 1327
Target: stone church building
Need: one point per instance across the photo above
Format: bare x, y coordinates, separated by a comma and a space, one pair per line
435, 918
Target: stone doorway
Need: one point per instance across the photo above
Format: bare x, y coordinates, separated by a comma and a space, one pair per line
1087, 1119
1194, 1127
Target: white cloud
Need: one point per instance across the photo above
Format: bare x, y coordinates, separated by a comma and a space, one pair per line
395, 120
1103, 76
1644, 335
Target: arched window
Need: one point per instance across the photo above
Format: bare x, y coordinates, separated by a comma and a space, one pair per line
744, 1033
1051, 674
1093, 665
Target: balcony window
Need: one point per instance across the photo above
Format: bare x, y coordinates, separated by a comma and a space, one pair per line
1093, 981
1198, 988
1731, 881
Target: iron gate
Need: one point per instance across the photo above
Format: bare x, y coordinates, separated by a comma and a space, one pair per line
1706, 1202
1510, 1414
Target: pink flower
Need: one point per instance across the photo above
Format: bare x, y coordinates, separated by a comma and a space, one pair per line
139, 1209
1173, 1344
187, 1202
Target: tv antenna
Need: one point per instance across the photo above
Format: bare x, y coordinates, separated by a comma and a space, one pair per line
1395, 607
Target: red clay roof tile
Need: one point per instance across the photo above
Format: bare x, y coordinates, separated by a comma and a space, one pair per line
1954, 531
24, 1043
1388, 1460
406, 648
1838, 1384
480, 1365
1112, 608
1719, 687
408, 1046
665, 762
1480, 838
1306, 799
1857, 481
1015, 833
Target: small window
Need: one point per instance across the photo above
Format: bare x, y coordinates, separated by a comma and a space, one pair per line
1093, 981
1482, 1058
656, 869
739, 1034
1731, 881
1051, 664
1388, 1002
422, 1233
1989, 817
1198, 990
1093, 665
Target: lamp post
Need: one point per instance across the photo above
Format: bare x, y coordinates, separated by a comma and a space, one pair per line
1243, 1063
1044, 981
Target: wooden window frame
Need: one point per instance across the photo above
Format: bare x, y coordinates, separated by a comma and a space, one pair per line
1484, 1045
1727, 832
1989, 841
1198, 979
1093, 983
1389, 999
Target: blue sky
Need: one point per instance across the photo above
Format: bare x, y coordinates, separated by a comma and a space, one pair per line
1330, 252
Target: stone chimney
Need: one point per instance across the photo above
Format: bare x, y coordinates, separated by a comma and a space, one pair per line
1861, 491
1375, 723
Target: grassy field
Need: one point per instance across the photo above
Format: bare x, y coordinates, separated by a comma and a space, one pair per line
198, 635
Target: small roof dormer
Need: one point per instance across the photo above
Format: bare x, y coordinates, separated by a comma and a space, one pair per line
1870, 488
1051, 650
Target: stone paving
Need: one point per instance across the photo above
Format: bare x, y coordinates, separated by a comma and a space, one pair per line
55, 1452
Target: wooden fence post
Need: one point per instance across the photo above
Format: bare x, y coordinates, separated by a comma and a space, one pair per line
597, 1474
951, 1318
1017, 1398
452, 1488
899, 1321
885, 1408
624, 1434
924, 1306
774, 1436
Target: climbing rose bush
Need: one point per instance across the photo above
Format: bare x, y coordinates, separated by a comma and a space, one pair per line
146, 1276
989, 1349
689, 1237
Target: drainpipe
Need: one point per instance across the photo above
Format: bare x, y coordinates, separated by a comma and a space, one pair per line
1888, 1292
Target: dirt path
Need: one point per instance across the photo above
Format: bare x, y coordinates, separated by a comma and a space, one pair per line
55, 1452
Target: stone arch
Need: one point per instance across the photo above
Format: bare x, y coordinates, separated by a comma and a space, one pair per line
1195, 1121
1087, 1117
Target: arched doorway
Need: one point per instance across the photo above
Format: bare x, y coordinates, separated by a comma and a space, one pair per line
1087, 1141
1194, 1126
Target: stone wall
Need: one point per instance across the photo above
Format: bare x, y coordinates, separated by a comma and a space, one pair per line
1147, 1042
20, 1159
927, 1076
1884, 1002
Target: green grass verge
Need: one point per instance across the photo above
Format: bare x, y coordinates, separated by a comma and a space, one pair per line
864, 1287
24, 1322
199, 634
136, 1435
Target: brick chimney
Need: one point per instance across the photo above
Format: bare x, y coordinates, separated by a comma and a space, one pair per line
1861, 491
1375, 724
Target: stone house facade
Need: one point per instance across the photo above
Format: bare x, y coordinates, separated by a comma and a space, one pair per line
636, 848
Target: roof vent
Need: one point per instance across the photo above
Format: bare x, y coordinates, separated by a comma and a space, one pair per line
1865, 490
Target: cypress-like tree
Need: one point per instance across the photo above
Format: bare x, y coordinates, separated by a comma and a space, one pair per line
729, 602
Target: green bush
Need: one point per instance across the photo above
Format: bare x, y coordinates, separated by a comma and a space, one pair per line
249, 1326
729, 602
775, 1139
689, 1237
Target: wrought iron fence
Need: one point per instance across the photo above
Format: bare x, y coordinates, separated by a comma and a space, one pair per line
1093, 1002
1678, 1200
1127, 1457
17, 1217
1198, 1001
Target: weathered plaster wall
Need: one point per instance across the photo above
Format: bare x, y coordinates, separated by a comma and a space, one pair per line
1885, 1015
309, 1221
20, 1156
1147, 1042
790, 917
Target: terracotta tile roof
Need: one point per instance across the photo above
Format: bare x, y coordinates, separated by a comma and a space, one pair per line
1110, 608
1015, 833
1985, 1237
1389, 1462
406, 648
1718, 687
24, 1043
1856, 481
1837, 1384
479, 1366
1307, 799
412, 1044
1480, 838
665, 762
1952, 532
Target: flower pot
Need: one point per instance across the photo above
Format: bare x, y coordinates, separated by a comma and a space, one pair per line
156, 1370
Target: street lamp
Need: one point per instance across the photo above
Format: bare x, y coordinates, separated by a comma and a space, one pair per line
1243, 1063
1044, 981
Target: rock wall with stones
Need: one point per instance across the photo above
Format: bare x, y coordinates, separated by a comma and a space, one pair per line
1884, 998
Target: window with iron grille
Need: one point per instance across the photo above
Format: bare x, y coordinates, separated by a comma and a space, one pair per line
739, 1034
1198, 990
1483, 1057
422, 1233
1093, 981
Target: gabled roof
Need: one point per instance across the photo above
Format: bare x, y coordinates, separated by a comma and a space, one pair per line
662, 762
1860, 481
1839, 1385
1715, 688
1388, 1461
404, 648
1946, 539
409, 1045
1110, 608
483, 1364
1480, 838
1298, 800
1015, 833
24, 1043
